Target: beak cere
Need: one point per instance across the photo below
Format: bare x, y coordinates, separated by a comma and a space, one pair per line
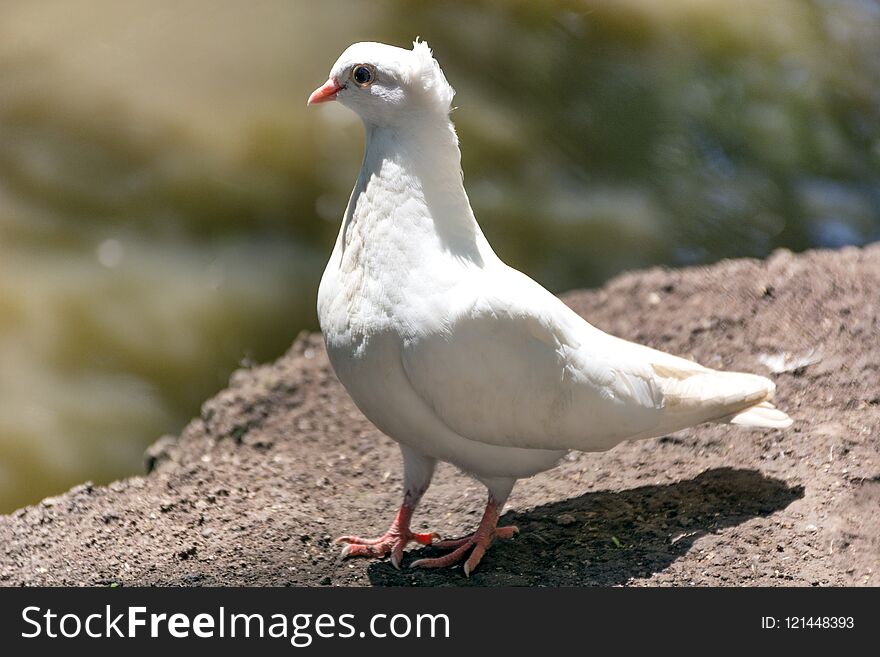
326, 92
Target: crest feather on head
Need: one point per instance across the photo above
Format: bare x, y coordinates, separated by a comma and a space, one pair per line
433, 81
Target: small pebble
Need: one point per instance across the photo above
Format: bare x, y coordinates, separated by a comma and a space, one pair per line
565, 519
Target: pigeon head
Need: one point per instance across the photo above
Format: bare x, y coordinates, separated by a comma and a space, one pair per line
384, 84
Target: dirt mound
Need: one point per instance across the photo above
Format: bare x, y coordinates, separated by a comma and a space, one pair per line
281, 461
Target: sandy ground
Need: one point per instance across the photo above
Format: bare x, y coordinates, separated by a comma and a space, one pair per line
281, 462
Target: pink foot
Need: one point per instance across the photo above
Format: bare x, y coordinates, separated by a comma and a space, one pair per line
480, 541
391, 542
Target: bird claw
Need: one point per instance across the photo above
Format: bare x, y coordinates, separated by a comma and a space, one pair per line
480, 541
391, 543
487, 531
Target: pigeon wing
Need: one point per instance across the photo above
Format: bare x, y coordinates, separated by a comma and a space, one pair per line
524, 370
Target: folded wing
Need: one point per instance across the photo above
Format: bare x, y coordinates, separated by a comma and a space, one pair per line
526, 371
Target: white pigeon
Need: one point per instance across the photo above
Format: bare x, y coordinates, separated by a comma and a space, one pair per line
457, 356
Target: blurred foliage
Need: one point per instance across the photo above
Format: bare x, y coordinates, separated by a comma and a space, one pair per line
602, 135
167, 202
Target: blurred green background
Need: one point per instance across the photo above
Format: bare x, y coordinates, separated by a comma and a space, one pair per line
167, 201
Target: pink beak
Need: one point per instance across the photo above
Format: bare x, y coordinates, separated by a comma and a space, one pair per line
325, 93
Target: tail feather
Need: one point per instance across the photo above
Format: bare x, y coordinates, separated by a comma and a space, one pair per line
764, 415
703, 395
711, 389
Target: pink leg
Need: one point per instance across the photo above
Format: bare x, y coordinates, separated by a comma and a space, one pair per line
391, 542
418, 470
480, 540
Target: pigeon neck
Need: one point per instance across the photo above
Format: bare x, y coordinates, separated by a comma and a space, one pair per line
425, 154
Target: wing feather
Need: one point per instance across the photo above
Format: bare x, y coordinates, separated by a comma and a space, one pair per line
526, 371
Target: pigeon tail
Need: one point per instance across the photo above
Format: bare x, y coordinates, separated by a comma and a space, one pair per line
724, 397
765, 416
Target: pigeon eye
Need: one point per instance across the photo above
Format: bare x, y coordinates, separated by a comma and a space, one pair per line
363, 75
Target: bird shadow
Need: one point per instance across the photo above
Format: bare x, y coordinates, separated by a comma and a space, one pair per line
606, 538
